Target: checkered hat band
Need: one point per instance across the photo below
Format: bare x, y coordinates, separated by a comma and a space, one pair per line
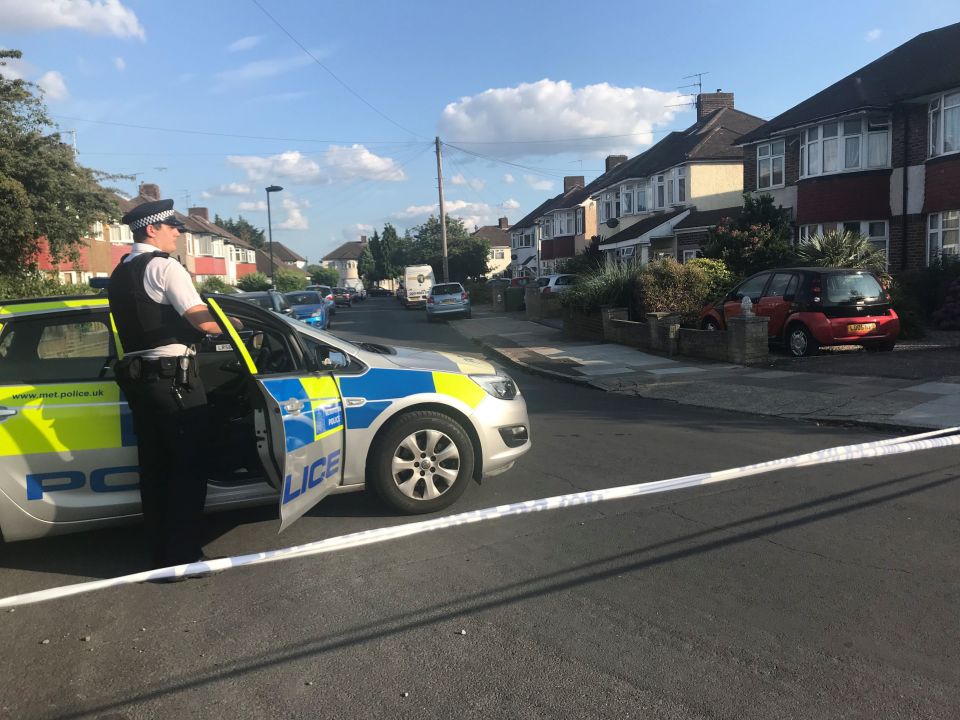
151, 219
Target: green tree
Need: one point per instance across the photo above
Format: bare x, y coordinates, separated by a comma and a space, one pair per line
389, 242
587, 260
214, 284
43, 191
466, 254
842, 249
320, 275
366, 264
758, 240
242, 228
285, 280
253, 282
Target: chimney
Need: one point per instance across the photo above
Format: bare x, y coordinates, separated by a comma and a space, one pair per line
708, 102
504, 224
150, 191
572, 181
614, 160
201, 213
363, 239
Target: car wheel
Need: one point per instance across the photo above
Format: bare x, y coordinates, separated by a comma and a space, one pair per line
422, 463
801, 343
710, 324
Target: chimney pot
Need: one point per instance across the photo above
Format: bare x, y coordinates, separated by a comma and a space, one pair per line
708, 102
504, 223
363, 239
614, 160
572, 181
200, 212
150, 191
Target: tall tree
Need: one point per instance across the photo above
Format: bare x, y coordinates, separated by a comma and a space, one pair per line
43, 191
759, 239
365, 264
467, 254
243, 229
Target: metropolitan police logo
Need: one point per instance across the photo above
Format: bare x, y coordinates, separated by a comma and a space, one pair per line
420, 278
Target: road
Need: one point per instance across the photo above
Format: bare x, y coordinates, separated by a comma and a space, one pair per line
829, 592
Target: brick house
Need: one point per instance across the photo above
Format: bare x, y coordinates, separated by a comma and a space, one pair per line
696, 170
877, 152
498, 259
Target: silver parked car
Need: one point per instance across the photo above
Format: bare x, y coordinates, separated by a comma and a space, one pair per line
297, 413
549, 284
447, 299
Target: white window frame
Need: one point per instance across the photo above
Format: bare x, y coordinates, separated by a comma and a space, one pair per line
217, 248
767, 154
689, 255
579, 221
863, 227
626, 200
681, 184
938, 224
627, 252
936, 126
660, 192
97, 231
843, 133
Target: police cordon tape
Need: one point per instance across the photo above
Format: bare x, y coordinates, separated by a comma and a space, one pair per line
946, 437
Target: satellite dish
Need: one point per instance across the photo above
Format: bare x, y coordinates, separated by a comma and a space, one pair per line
612, 223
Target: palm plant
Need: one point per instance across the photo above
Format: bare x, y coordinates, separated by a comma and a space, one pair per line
842, 249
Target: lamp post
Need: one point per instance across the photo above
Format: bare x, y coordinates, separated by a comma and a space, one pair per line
271, 189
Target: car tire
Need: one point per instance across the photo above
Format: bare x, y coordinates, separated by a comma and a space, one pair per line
800, 342
710, 324
395, 473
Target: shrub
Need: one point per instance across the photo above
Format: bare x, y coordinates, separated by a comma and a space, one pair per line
947, 316
215, 285
285, 280
38, 284
720, 279
480, 293
613, 285
667, 286
253, 282
842, 249
910, 309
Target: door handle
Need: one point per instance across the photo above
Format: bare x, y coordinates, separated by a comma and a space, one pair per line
6, 412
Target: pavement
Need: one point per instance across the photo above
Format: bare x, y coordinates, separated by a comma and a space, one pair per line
916, 386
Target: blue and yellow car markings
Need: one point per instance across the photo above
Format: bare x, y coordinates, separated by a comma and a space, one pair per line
234, 336
47, 305
309, 406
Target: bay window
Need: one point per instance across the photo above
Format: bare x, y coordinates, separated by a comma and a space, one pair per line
770, 164
854, 143
579, 221
681, 184
660, 192
944, 112
626, 197
943, 234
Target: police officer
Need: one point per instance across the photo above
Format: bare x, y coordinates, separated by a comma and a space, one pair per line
159, 316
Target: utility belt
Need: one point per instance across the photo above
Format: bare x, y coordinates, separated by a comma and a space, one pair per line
180, 371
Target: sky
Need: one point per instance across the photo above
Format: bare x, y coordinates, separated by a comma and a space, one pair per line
339, 102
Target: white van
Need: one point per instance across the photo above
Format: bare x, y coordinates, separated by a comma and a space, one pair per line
417, 281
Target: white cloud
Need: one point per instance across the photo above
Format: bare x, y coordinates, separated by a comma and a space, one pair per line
510, 204
353, 232
99, 17
540, 118
337, 163
120, 64
260, 70
16, 69
358, 163
538, 183
244, 43
458, 179
232, 189
874, 34
255, 206
204, 195
475, 183
509, 179
52, 84
295, 221
472, 214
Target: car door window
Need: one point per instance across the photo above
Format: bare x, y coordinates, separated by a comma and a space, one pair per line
752, 288
56, 349
782, 284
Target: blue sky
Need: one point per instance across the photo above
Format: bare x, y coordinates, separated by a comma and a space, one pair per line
213, 100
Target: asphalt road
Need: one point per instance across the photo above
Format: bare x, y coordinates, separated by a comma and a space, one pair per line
829, 592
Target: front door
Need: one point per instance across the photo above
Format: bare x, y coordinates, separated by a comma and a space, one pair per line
300, 432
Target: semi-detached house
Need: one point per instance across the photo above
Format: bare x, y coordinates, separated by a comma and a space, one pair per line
877, 153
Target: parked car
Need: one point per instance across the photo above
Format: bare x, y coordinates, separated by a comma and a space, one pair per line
269, 300
355, 294
549, 284
327, 293
342, 297
377, 291
812, 307
310, 307
296, 414
447, 299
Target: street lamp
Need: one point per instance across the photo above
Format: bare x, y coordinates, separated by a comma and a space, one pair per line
271, 189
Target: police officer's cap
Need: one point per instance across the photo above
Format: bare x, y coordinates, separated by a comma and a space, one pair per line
148, 213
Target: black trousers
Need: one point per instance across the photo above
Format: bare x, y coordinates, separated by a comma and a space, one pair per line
172, 455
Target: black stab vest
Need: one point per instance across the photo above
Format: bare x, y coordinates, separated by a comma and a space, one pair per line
142, 323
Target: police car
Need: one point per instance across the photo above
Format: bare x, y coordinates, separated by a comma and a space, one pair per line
297, 414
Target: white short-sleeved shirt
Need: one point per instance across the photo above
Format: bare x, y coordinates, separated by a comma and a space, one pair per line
167, 282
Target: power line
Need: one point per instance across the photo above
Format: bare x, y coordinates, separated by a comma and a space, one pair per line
546, 172
332, 74
556, 140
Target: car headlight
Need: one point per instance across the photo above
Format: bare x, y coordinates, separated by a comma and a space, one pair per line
500, 386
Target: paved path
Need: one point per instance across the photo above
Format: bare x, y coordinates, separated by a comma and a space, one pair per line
932, 401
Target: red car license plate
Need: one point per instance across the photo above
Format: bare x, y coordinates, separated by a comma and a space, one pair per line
861, 327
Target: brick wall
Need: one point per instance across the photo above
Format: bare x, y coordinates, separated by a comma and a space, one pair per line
791, 163
909, 135
942, 184
583, 327
850, 196
691, 241
907, 253
750, 168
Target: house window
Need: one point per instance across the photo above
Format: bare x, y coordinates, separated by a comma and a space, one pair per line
943, 235
617, 203
689, 255
579, 221
498, 254
770, 164
876, 231
856, 143
627, 200
218, 248
681, 184
642, 203
97, 232
945, 124
627, 252
661, 191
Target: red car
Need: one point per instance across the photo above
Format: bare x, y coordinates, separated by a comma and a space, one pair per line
811, 307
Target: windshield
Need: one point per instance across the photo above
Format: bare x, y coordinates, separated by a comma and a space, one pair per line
304, 298
853, 288
261, 300
449, 289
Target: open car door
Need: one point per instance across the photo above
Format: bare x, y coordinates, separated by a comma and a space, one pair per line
301, 437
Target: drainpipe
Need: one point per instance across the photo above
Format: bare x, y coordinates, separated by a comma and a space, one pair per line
906, 194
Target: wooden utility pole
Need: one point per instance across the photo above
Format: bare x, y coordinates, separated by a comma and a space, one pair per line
443, 215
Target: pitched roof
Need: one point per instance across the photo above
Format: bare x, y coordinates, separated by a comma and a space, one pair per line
286, 254
494, 234
642, 227
193, 223
348, 251
708, 218
528, 219
263, 263
921, 66
711, 138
